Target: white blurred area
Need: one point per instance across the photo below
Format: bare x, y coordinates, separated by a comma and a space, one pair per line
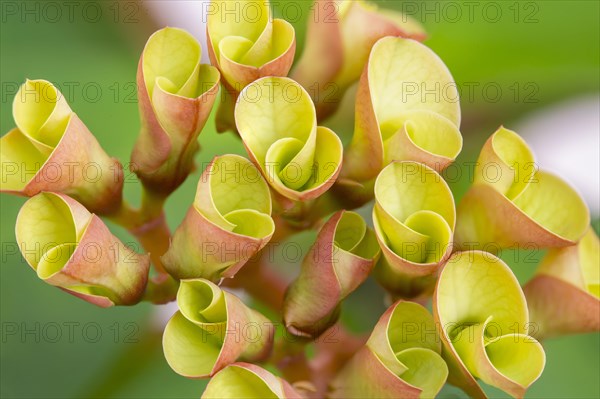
184, 14
565, 139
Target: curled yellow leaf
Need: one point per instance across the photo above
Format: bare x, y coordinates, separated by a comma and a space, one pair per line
212, 329
414, 218
229, 222
513, 204
246, 44
72, 249
277, 122
176, 94
407, 109
563, 296
52, 150
482, 316
402, 358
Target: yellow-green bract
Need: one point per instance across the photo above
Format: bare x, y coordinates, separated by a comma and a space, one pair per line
51, 141
563, 297
482, 316
400, 360
176, 94
212, 329
228, 223
73, 249
414, 218
277, 122
338, 262
246, 43
243, 380
340, 35
513, 204
407, 109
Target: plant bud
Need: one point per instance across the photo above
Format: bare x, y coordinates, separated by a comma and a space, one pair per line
563, 297
212, 329
246, 44
176, 94
277, 122
482, 315
513, 204
402, 359
339, 261
243, 380
414, 217
340, 36
407, 109
52, 150
229, 222
73, 249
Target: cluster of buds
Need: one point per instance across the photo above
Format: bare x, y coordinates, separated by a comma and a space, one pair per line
298, 175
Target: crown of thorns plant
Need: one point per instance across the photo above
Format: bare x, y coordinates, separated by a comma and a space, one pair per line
298, 175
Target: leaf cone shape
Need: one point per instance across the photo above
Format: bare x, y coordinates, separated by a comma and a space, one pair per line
340, 36
481, 311
407, 109
400, 360
176, 94
512, 204
52, 150
414, 218
243, 380
228, 223
339, 261
563, 297
73, 249
212, 329
246, 44
277, 122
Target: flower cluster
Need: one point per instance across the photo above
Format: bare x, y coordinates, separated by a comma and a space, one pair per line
298, 175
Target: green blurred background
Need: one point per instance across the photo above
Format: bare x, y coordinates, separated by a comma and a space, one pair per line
55, 346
